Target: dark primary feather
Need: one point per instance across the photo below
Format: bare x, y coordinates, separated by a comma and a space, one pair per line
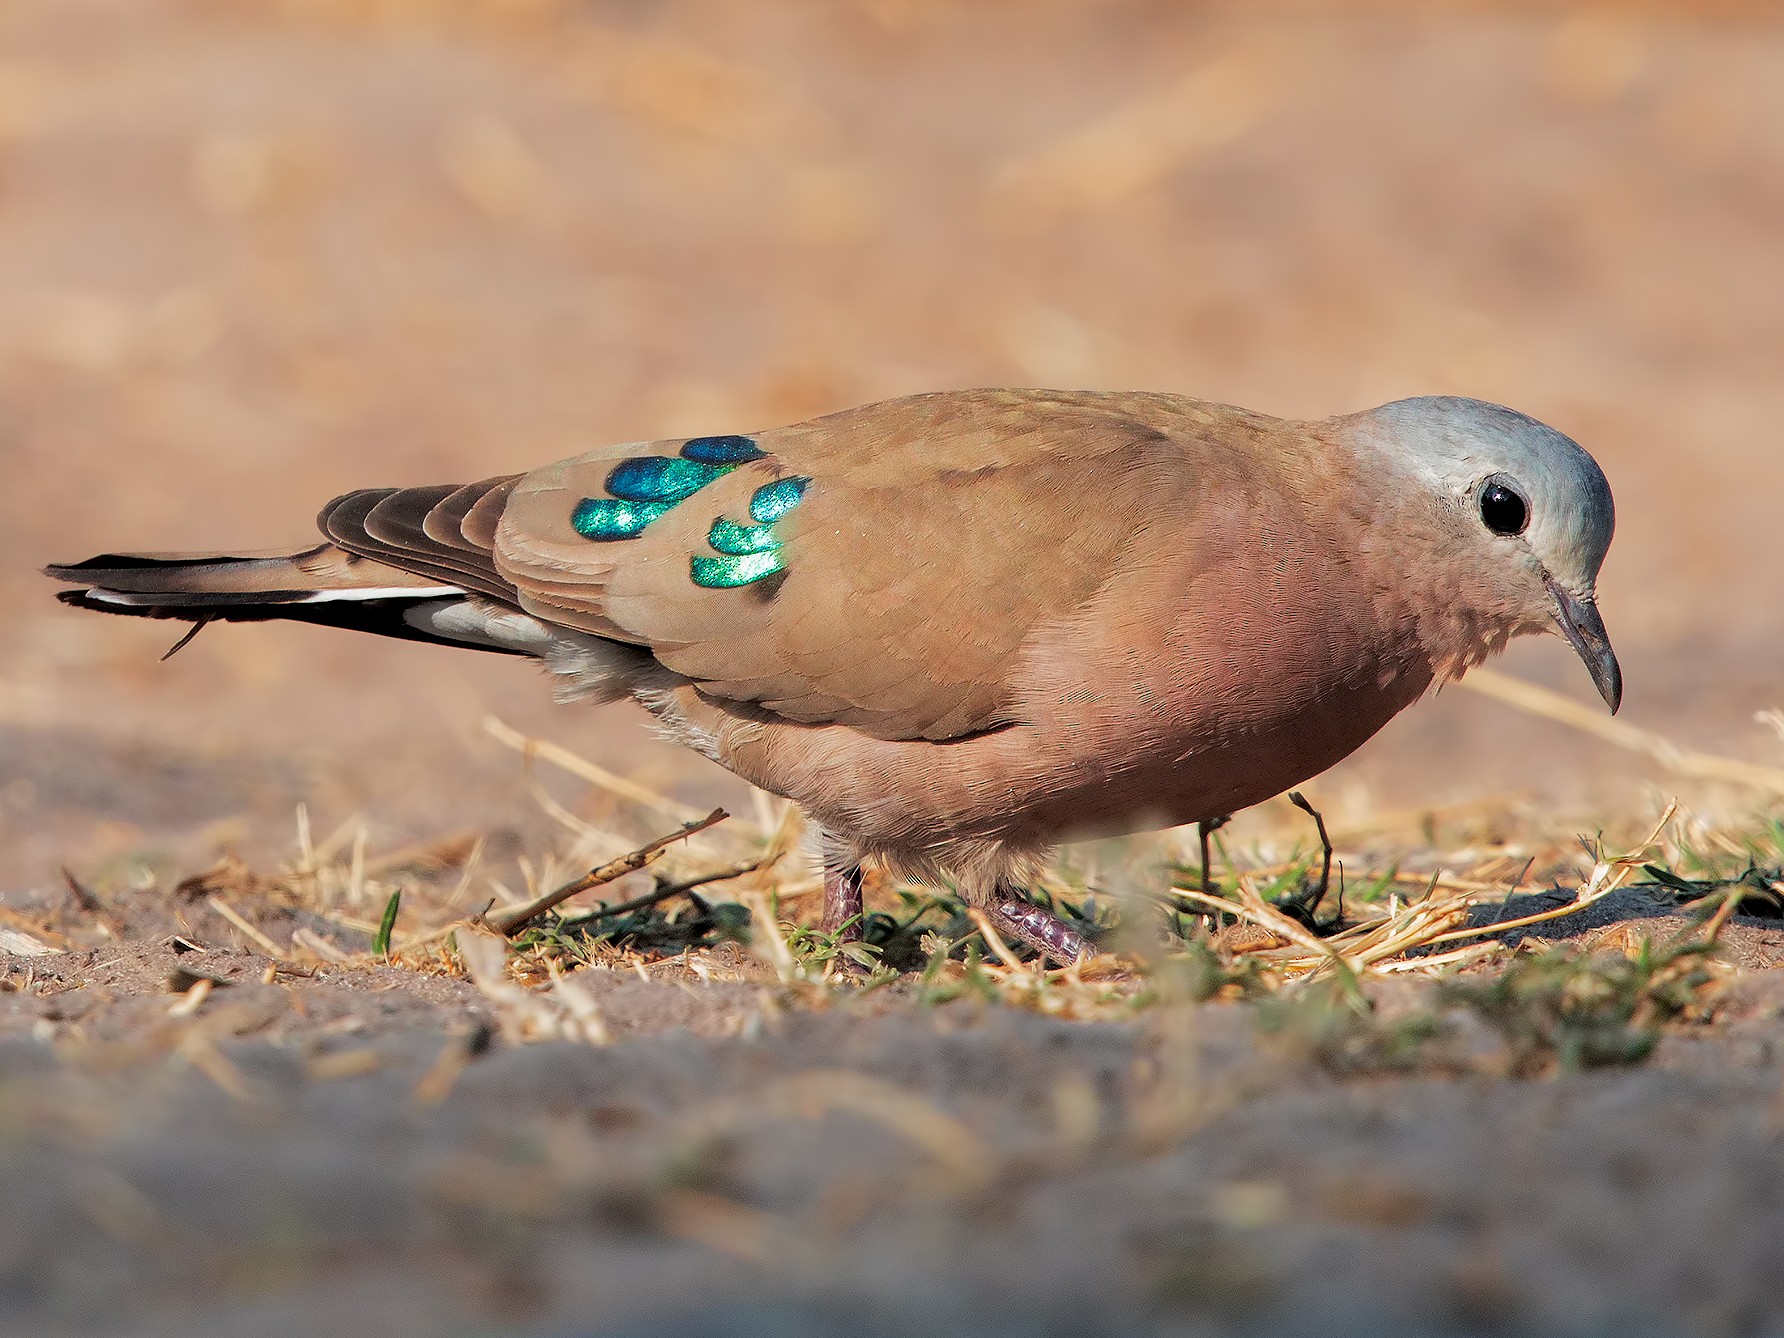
389, 525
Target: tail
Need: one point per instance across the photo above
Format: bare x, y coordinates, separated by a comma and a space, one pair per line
412, 563
323, 585
399, 562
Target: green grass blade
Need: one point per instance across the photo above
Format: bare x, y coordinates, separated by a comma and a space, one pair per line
381, 941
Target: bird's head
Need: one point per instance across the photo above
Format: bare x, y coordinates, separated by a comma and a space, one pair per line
1525, 515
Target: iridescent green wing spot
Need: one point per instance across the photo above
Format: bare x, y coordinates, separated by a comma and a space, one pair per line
734, 540
749, 553
724, 573
773, 500
644, 487
604, 518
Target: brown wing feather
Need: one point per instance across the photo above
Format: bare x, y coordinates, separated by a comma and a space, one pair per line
396, 521
478, 526
399, 524
391, 525
937, 536
444, 523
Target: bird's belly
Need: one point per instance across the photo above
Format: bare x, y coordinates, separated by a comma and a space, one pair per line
1075, 776
1208, 768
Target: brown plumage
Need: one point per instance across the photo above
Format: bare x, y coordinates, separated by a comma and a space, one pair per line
961, 627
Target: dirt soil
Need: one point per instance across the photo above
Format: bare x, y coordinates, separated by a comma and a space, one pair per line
252, 256
345, 1149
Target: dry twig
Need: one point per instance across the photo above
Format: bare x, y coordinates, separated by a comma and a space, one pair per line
510, 919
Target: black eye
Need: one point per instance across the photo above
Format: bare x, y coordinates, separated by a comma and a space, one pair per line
1502, 508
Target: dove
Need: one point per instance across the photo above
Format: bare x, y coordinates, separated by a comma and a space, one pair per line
960, 628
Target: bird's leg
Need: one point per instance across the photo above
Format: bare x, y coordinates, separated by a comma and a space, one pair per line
1305, 906
843, 908
1015, 915
1206, 830
1208, 919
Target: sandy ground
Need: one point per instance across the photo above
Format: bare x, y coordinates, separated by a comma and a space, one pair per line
334, 1154
251, 256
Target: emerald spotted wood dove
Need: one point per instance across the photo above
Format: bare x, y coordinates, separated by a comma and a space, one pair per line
959, 628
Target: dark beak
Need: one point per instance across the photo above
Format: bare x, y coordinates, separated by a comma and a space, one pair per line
1584, 629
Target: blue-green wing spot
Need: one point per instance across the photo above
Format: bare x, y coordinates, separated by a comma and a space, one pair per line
751, 552
734, 540
644, 487
722, 450
722, 573
605, 518
660, 478
773, 500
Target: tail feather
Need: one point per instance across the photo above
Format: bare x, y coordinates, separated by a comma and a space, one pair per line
324, 571
414, 563
150, 573
319, 585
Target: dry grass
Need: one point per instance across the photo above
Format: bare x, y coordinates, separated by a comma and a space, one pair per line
722, 899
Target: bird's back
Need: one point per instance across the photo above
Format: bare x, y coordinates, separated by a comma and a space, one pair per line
923, 546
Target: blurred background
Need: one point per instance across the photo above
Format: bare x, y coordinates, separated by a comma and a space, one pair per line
255, 254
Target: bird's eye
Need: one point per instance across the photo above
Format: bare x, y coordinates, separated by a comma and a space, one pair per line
1502, 507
